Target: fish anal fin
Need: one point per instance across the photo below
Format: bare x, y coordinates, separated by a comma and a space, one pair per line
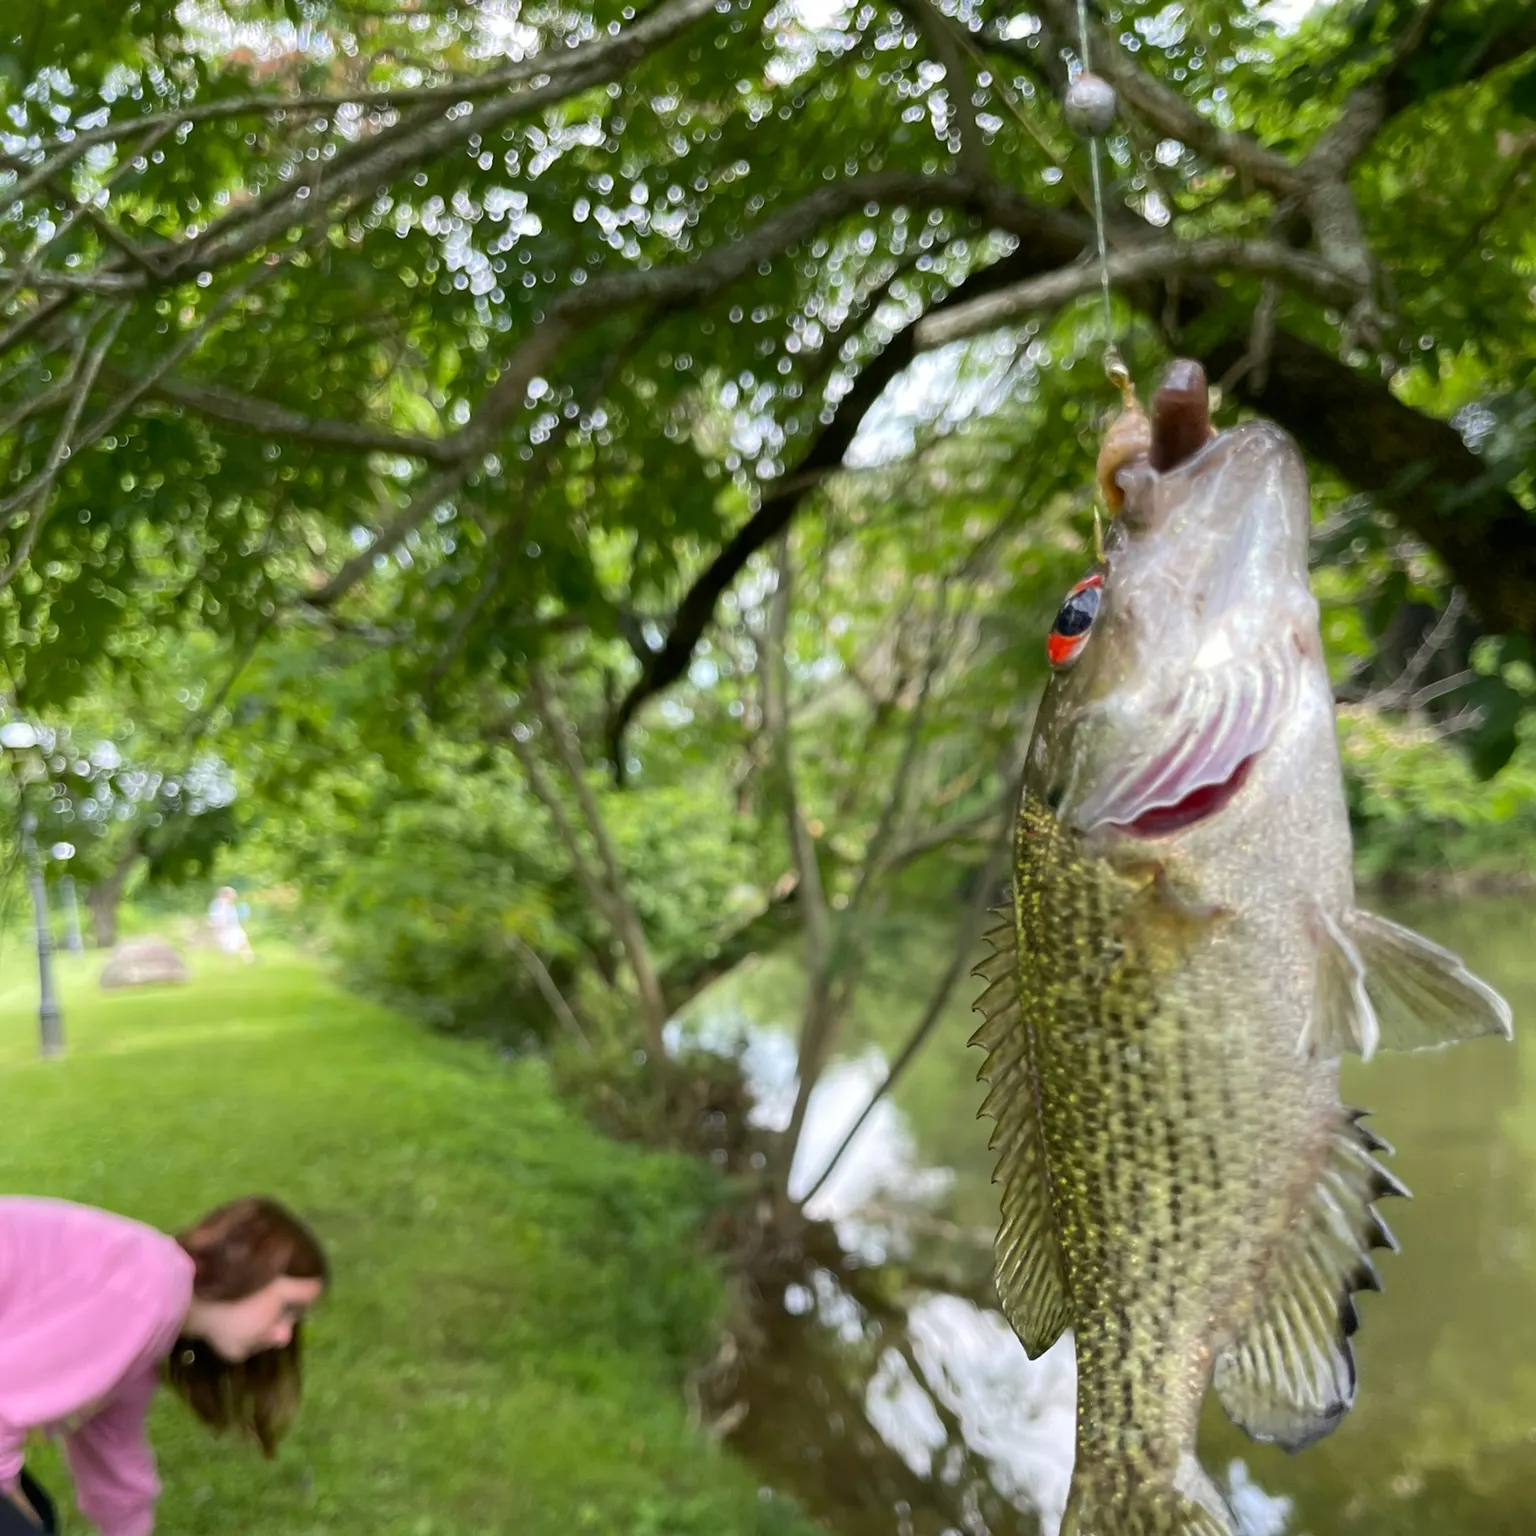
1028, 1268
1422, 994
1288, 1374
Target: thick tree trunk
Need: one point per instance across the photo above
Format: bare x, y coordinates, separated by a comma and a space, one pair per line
105, 896
1420, 468
102, 900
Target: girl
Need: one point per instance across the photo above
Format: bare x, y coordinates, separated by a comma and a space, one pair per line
224, 919
96, 1309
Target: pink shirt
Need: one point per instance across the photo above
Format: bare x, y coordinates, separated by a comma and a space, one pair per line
90, 1305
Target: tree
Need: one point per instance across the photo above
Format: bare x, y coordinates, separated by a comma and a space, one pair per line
128, 784
413, 319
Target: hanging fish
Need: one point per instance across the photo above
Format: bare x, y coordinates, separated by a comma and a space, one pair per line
1182, 969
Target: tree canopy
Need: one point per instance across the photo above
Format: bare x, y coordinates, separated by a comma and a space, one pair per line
462, 328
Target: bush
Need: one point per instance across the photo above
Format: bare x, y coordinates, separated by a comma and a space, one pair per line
429, 917
1419, 812
440, 896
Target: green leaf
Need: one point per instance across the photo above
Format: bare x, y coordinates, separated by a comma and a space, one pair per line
1493, 742
1522, 92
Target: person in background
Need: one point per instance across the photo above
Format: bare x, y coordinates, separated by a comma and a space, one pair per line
96, 1310
224, 919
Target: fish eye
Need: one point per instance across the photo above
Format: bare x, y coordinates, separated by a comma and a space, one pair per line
1074, 621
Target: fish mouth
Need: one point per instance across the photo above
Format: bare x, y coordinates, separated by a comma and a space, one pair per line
1198, 805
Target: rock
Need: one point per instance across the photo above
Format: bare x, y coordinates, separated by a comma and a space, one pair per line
144, 963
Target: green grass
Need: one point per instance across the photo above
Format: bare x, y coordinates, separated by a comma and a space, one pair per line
517, 1299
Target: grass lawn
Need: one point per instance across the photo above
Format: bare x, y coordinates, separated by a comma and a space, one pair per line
516, 1301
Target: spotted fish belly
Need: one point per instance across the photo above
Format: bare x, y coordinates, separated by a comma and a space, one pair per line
1181, 1186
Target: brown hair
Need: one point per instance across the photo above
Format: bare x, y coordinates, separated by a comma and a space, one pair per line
240, 1249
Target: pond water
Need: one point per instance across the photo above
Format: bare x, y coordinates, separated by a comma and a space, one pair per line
911, 1408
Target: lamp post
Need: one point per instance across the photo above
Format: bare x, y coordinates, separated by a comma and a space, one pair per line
49, 1017
19, 738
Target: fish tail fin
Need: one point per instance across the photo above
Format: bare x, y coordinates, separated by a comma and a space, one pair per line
1185, 1504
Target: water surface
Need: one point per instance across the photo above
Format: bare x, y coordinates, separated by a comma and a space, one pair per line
911, 1407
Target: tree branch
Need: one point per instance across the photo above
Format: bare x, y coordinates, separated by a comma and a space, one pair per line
551, 76
1056, 239
895, 801
614, 53
819, 1014
183, 349
552, 73
776, 724
78, 210
1401, 83
774, 926
24, 326
504, 399
1301, 378
546, 984
505, 544
1404, 689
101, 281
517, 737
24, 410
248, 413
678, 282
37, 491
114, 413
960, 829
577, 309
1420, 467
1319, 183
626, 920
1169, 112
1165, 258
965, 942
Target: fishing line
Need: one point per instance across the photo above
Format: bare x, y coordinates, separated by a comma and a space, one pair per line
1090, 108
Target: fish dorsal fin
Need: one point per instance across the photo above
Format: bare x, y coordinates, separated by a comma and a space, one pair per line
1288, 1375
1379, 983
1028, 1267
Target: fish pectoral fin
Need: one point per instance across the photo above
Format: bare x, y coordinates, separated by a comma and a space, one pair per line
1288, 1374
1382, 985
1343, 1018
1422, 995
1028, 1268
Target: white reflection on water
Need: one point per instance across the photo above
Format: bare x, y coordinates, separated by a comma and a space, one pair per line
1016, 1413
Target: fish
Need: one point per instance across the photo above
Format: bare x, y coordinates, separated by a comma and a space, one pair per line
1179, 973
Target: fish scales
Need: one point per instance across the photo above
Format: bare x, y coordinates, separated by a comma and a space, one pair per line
1162, 1180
